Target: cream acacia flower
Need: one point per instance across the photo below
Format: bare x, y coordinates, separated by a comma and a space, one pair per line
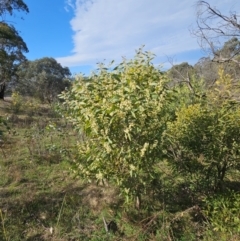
99, 176
107, 147
132, 167
143, 150
126, 104
132, 85
127, 130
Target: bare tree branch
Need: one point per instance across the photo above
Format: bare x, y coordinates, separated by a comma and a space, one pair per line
214, 28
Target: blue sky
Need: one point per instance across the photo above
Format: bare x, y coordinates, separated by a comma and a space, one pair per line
80, 33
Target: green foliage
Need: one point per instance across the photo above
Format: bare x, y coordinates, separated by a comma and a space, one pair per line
181, 72
205, 136
228, 55
12, 46
17, 102
43, 78
3, 127
161, 143
11, 5
11, 50
122, 114
230, 48
25, 104
207, 70
223, 214
47, 142
185, 93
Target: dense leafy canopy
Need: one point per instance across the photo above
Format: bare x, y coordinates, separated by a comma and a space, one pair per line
181, 72
205, 136
43, 78
12, 46
122, 114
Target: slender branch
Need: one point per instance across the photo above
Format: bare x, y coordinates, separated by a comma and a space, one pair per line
213, 27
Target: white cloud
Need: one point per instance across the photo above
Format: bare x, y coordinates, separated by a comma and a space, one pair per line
69, 4
109, 29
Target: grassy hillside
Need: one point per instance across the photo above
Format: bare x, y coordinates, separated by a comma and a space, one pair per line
41, 199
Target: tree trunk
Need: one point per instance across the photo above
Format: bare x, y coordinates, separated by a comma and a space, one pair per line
2, 90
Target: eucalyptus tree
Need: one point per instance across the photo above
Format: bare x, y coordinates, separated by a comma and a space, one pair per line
180, 72
8, 6
207, 68
12, 46
43, 78
231, 49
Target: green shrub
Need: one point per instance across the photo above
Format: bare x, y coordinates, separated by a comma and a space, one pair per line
122, 114
223, 215
17, 102
204, 140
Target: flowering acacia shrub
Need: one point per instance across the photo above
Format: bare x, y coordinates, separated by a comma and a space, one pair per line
121, 112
